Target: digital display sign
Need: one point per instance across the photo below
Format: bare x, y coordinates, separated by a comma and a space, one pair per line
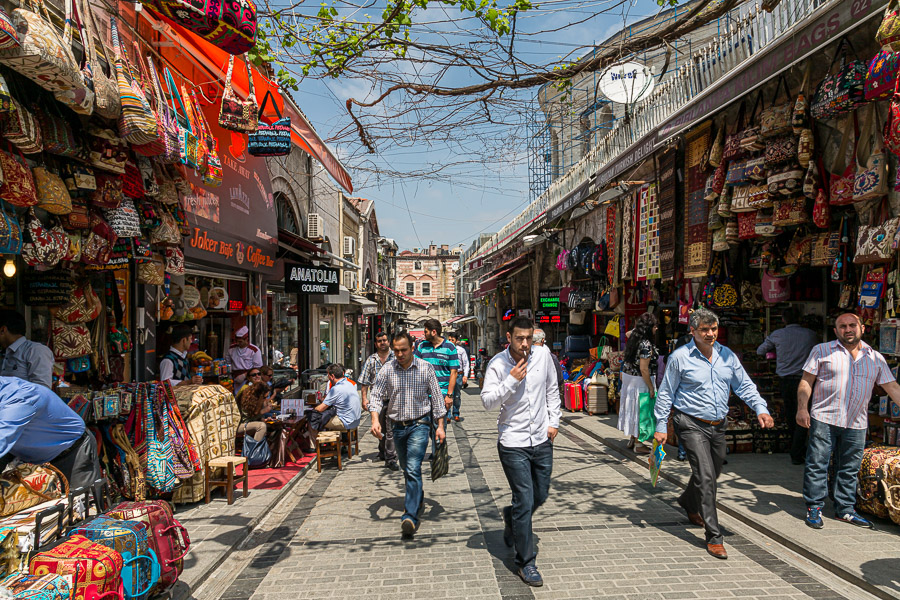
235, 305
549, 299
552, 318
509, 314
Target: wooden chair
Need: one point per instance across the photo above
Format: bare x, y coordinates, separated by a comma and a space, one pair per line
228, 463
352, 440
328, 444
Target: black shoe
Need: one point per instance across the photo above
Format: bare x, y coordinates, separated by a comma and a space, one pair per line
407, 527
508, 538
392, 465
381, 456
531, 576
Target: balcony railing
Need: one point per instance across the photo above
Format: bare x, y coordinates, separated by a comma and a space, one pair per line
744, 31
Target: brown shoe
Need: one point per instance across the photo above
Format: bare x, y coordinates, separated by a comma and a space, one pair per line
695, 519
717, 550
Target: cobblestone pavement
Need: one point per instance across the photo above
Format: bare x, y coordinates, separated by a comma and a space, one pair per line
604, 532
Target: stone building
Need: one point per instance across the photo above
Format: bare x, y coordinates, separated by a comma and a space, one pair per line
429, 277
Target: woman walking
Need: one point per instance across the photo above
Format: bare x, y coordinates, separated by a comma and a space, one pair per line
640, 358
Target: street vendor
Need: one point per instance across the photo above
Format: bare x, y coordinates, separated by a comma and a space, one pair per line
23, 358
174, 366
243, 355
36, 426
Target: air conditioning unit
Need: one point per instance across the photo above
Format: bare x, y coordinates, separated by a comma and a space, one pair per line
350, 280
314, 226
349, 245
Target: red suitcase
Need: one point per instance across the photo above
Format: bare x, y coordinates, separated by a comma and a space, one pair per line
574, 397
166, 535
97, 569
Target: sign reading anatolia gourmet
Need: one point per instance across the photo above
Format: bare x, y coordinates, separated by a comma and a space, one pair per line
310, 279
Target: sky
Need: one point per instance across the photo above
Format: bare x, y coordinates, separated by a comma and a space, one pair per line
476, 197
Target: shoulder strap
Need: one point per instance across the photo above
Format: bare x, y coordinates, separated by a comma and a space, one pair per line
262, 108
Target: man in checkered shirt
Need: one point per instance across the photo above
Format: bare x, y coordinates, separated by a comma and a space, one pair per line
407, 388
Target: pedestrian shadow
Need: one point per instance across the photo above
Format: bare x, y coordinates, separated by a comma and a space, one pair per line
882, 572
393, 507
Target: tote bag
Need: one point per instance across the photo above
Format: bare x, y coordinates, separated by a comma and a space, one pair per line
236, 114
274, 139
137, 123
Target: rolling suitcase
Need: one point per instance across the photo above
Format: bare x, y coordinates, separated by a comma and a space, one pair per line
97, 569
597, 399
140, 570
574, 397
44, 587
168, 539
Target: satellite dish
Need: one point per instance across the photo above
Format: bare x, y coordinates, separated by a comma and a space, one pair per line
627, 83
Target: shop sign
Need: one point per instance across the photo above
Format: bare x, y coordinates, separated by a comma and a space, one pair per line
370, 309
234, 224
310, 279
509, 315
548, 299
627, 83
525, 312
547, 318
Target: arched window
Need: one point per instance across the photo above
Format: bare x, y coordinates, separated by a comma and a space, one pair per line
287, 220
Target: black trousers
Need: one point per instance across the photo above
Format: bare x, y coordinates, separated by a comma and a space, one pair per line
79, 463
705, 448
797, 434
318, 420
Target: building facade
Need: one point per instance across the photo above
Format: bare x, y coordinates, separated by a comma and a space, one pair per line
429, 277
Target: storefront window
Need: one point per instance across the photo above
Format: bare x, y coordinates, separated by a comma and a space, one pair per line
324, 341
283, 311
350, 342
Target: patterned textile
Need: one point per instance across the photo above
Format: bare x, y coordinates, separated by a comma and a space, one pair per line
666, 199
648, 236
408, 393
94, 565
612, 243
696, 215
212, 418
627, 259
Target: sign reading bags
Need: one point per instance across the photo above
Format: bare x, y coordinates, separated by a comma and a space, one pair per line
310, 279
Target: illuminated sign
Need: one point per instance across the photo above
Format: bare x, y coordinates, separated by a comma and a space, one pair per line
549, 299
509, 314
235, 305
312, 279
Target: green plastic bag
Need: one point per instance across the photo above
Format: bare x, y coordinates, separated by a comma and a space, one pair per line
646, 418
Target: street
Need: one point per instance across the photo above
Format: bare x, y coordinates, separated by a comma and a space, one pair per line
604, 532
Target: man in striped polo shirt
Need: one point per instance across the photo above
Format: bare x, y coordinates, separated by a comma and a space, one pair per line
839, 375
441, 355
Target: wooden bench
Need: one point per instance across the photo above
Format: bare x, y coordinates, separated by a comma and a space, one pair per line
328, 444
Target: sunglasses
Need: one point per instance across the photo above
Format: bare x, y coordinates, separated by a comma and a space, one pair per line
257, 374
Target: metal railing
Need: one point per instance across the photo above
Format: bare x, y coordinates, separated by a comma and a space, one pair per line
744, 31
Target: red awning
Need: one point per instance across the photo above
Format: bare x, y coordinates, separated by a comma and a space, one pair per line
403, 297
490, 284
193, 48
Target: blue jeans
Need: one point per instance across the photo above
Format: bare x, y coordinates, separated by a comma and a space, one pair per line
847, 446
411, 442
457, 402
528, 473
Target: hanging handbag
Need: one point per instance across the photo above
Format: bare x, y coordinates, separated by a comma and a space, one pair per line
107, 102
152, 272
84, 306
751, 141
41, 55
821, 210
781, 150
685, 304
759, 196
274, 139
776, 120
718, 181
124, 219
805, 147
156, 147
612, 327
799, 251
791, 211
717, 148
775, 289
874, 242
725, 295
236, 114
888, 33
723, 207
170, 132
719, 239
871, 180
800, 113
137, 123
740, 199
881, 76
211, 166
44, 246
108, 151
80, 98
737, 172
733, 150
160, 458
841, 186
109, 191
824, 249
10, 232
842, 91
73, 254
755, 169
174, 261
764, 223
187, 141
785, 181
22, 129
18, 187
132, 181
57, 136
747, 226
229, 26
9, 37
167, 234
53, 196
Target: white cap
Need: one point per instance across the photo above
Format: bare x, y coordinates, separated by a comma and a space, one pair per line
242, 332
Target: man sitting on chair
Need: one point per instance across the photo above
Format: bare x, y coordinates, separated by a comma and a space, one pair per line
341, 408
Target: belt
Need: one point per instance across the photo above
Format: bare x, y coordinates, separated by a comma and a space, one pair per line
423, 420
712, 423
73, 447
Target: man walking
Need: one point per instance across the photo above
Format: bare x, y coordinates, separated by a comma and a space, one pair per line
792, 345
441, 355
407, 390
699, 378
371, 368
521, 382
843, 372
463, 356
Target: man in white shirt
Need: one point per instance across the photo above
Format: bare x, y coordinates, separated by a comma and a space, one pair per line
243, 355
463, 371
521, 382
174, 366
23, 358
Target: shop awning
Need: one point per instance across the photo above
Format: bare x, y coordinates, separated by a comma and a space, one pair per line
465, 319
368, 307
490, 284
398, 295
459, 319
292, 241
189, 46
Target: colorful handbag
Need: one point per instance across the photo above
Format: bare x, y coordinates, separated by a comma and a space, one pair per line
97, 569
46, 246
38, 587
755, 169
210, 166
874, 243
53, 196
236, 114
780, 150
775, 121
9, 37
841, 184
189, 144
70, 340
747, 226
171, 131
28, 485
152, 272
157, 147
41, 55
57, 135
799, 251
109, 192
791, 211
740, 199
160, 458
230, 26
137, 122
10, 232
22, 129
167, 233
107, 102
124, 219
132, 181
785, 182
871, 180
805, 147
888, 34
737, 173
718, 182
18, 187
821, 210
80, 98
108, 151
824, 249
717, 148
881, 76
759, 196
775, 289
840, 92
84, 306
274, 139
174, 261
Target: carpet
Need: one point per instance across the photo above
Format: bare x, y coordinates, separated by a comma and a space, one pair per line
275, 479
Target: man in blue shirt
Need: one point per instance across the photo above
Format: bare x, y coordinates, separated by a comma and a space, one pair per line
698, 382
341, 408
441, 355
36, 426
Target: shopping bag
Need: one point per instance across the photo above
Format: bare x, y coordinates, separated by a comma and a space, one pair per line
656, 459
440, 461
646, 418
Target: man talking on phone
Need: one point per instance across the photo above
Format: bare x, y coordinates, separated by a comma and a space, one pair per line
521, 382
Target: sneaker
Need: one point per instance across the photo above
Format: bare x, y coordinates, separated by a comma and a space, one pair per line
530, 575
508, 538
682, 456
814, 518
854, 519
407, 527
392, 465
